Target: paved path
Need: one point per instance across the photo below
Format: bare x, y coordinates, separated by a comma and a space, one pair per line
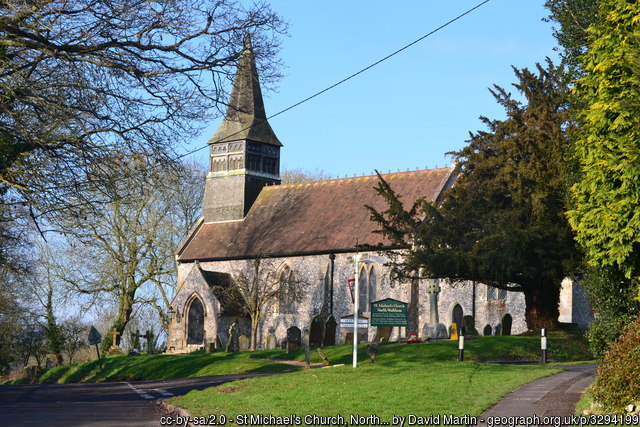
105, 404
554, 396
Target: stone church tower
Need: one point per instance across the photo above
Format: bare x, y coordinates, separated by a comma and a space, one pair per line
244, 152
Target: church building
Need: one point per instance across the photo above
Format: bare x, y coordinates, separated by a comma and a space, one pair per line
304, 234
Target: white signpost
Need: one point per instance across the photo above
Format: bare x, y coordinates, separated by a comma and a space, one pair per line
357, 259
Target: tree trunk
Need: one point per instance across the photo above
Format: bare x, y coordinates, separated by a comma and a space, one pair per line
541, 305
254, 332
412, 321
125, 309
54, 334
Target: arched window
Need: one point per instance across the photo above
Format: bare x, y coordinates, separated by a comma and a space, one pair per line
372, 284
287, 291
363, 301
367, 283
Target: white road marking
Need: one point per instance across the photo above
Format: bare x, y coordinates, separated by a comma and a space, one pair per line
163, 392
141, 393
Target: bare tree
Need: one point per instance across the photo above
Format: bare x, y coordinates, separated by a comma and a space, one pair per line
298, 175
83, 79
257, 289
74, 333
123, 252
30, 341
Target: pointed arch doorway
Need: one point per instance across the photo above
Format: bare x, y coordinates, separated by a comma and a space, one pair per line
195, 322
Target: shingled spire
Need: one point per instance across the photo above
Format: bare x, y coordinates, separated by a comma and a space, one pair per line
244, 152
246, 117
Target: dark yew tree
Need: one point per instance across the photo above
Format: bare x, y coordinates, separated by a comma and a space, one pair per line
503, 221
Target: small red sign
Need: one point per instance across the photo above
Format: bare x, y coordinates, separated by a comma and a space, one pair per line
351, 283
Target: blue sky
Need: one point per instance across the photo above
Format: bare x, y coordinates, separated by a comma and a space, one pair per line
410, 110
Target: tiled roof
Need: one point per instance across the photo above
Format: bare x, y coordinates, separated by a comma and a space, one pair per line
315, 217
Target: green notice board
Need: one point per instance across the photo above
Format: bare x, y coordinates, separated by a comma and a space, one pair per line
389, 312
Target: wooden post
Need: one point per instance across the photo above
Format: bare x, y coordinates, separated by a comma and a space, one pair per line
99, 359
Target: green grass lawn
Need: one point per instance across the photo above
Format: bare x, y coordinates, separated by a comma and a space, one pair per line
563, 346
161, 366
419, 379
414, 388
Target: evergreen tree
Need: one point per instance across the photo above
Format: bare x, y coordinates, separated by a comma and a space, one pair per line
606, 218
573, 18
503, 222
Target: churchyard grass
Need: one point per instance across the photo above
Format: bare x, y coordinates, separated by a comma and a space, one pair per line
563, 346
418, 379
395, 386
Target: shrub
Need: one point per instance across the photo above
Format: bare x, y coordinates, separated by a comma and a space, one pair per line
604, 331
613, 296
618, 382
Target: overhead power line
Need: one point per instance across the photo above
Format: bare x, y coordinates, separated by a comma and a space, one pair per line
351, 76
357, 73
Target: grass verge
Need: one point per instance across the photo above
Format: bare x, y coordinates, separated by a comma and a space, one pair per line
157, 367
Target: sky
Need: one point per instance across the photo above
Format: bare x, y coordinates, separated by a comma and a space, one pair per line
409, 111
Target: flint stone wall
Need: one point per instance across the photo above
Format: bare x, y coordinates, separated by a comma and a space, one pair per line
313, 274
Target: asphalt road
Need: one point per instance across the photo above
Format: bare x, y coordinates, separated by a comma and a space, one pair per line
132, 403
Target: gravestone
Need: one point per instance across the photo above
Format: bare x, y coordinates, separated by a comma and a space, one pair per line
307, 355
243, 343
372, 351
348, 338
232, 342
488, 330
507, 320
134, 337
498, 329
323, 356
316, 331
271, 342
469, 325
221, 341
151, 342
294, 338
330, 331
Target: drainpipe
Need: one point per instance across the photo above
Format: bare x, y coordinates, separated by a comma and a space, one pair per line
332, 258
